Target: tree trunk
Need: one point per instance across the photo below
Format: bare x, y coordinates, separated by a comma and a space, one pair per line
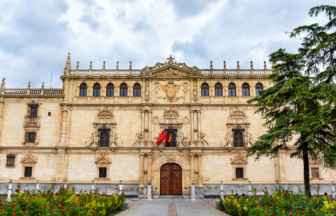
306, 169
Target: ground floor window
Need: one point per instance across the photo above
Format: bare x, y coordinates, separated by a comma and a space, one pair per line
102, 172
28, 172
315, 172
239, 173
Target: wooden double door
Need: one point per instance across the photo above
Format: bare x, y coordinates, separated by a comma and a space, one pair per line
171, 179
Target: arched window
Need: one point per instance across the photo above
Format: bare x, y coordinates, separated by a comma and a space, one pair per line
218, 89
136, 90
104, 139
123, 90
83, 90
96, 90
246, 89
205, 89
259, 87
110, 90
232, 89
238, 139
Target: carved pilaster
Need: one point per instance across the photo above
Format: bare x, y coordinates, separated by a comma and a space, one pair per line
141, 170
63, 126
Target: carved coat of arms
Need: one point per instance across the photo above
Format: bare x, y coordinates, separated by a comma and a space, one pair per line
170, 89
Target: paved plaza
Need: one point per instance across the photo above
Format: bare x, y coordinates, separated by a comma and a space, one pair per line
172, 207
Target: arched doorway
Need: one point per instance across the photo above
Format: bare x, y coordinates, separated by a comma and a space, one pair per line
171, 179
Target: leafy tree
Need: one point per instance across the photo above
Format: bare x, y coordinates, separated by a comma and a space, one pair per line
299, 107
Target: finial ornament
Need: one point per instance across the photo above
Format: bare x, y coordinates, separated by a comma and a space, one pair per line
225, 65
237, 64
104, 66
90, 64
29, 85
3, 83
77, 67
117, 65
210, 64
170, 59
130, 65
265, 65
42, 85
251, 64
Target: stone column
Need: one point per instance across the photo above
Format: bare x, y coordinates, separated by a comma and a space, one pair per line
150, 127
59, 169
142, 126
191, 91
149, 167
63, 126
2, 102
199, 125
200, 175
141, 170
192, 127
198, 94
192, 167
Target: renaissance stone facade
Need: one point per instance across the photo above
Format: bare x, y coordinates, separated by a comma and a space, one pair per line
103, 126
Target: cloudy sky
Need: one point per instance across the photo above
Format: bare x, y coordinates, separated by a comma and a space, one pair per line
35, 36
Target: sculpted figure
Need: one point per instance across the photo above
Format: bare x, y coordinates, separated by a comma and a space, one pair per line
92, 140
226, 143
138, 138
203, 138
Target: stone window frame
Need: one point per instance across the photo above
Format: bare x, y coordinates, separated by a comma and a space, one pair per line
15, 158
234, 166
23, 171
315, 165
219, 85
26, 132
107, 166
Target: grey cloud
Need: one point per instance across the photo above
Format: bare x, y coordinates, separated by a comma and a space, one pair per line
184, 8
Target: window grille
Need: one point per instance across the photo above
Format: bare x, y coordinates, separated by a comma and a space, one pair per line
31, 136
238, 139
28, 172
315, 172
102, 172
10, 160
33, 111
239, 173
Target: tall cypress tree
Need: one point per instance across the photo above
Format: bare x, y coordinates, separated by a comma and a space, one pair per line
301, 108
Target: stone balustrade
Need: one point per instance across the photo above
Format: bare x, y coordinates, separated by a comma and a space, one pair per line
30, 91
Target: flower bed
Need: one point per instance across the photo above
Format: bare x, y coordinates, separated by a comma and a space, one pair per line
284, 203
64, 202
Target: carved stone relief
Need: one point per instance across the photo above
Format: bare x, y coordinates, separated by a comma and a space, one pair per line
29, 159
170, 89
103, 159
239, 159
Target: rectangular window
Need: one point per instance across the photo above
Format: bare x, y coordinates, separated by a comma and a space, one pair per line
31, 136
49, 113
28, 172
315, 172
239, 173
33, 111
102, 172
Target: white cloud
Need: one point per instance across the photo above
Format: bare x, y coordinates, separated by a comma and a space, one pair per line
35, 38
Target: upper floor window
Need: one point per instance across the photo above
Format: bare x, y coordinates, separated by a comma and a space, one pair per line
96, 90
246, 89
104, 139
259, 87
110, 90
123, 90
10, 160
33, 111
205, 89
31, 136
218, 89
83, 90
232, 89
238, 139
136, 90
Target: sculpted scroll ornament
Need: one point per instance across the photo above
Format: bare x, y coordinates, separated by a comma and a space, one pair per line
29, 159
239, 159
170, 89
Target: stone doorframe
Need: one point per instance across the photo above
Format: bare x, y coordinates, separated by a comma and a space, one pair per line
162, 159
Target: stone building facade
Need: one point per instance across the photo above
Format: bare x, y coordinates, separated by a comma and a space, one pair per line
102, 125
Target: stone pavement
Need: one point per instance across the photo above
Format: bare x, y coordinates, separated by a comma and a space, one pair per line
171, 207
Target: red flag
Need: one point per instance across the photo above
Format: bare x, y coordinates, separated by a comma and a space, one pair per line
161, 138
